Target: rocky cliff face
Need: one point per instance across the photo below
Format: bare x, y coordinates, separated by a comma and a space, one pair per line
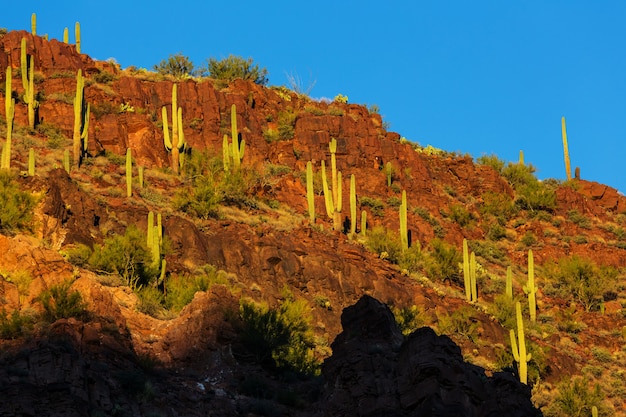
375, 371
123, 362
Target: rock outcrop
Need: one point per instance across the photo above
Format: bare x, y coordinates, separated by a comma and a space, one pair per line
374, 371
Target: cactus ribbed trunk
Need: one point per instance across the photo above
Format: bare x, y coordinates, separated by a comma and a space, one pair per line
568, 167
519, 347
310, 195
404, 230
466, 271
352, 205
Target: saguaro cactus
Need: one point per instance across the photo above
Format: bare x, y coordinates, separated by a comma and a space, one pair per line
530, 287
28, 83
81, 121
310, 195
129, 173
466, 271
232, 152
77, 34
333, 198
66, 36
473, 284
519, 349
176, 144
568, 167
336, 183
352, 205
363, 223
33, 24
404, 230
9, 107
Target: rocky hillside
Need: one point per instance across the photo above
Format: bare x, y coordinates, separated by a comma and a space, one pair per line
129, 346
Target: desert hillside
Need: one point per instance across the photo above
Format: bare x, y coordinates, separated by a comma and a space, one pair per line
263, 253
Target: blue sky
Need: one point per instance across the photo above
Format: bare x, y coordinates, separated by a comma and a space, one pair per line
477, 77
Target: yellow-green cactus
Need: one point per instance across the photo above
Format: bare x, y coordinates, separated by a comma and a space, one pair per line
28, 83
519, 347
310, 195
530, 288
568, 168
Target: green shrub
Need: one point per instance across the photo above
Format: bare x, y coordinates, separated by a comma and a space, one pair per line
519, 175
498, 205
177, 65
460, 215
104, 77
529, 239
279, 337
15, 325
234, 67
442, 262
581, 279
492, 161
460, 322
151, 301
59, 302
536, 196
376, 206
412, 259
385, 243
582, 221
286, 124
180, 290
56, 138
126, 255
410, 318
17, 206
575, 397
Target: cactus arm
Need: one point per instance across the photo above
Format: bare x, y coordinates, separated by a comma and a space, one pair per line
519, 349
473, 284
150, 228
530, 288
166, 130
328, 199
363, 223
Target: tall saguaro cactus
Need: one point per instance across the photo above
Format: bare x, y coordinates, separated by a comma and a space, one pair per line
77, 34
466, 271
81, 121
176, 144
352, 205
530, 287
233, 151
310, 195
404, 229
519, 347
568, 167
129, 173
9, 107
28, 82
333, 197
33, 24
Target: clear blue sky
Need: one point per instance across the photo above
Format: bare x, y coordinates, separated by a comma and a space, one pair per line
476, 77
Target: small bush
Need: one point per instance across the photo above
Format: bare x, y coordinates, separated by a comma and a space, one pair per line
442, 262
575, 397
14, 325
491, 161
17, 206
126, 255
498, 205
385, 243
286, 124
460, 215
376, 206
581, 279
280, 337
234, 67
410, 318
151, 301
460, 322
579, 219
59, 302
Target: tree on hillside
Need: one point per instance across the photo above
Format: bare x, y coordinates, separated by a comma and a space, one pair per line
234, 67
177, 65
